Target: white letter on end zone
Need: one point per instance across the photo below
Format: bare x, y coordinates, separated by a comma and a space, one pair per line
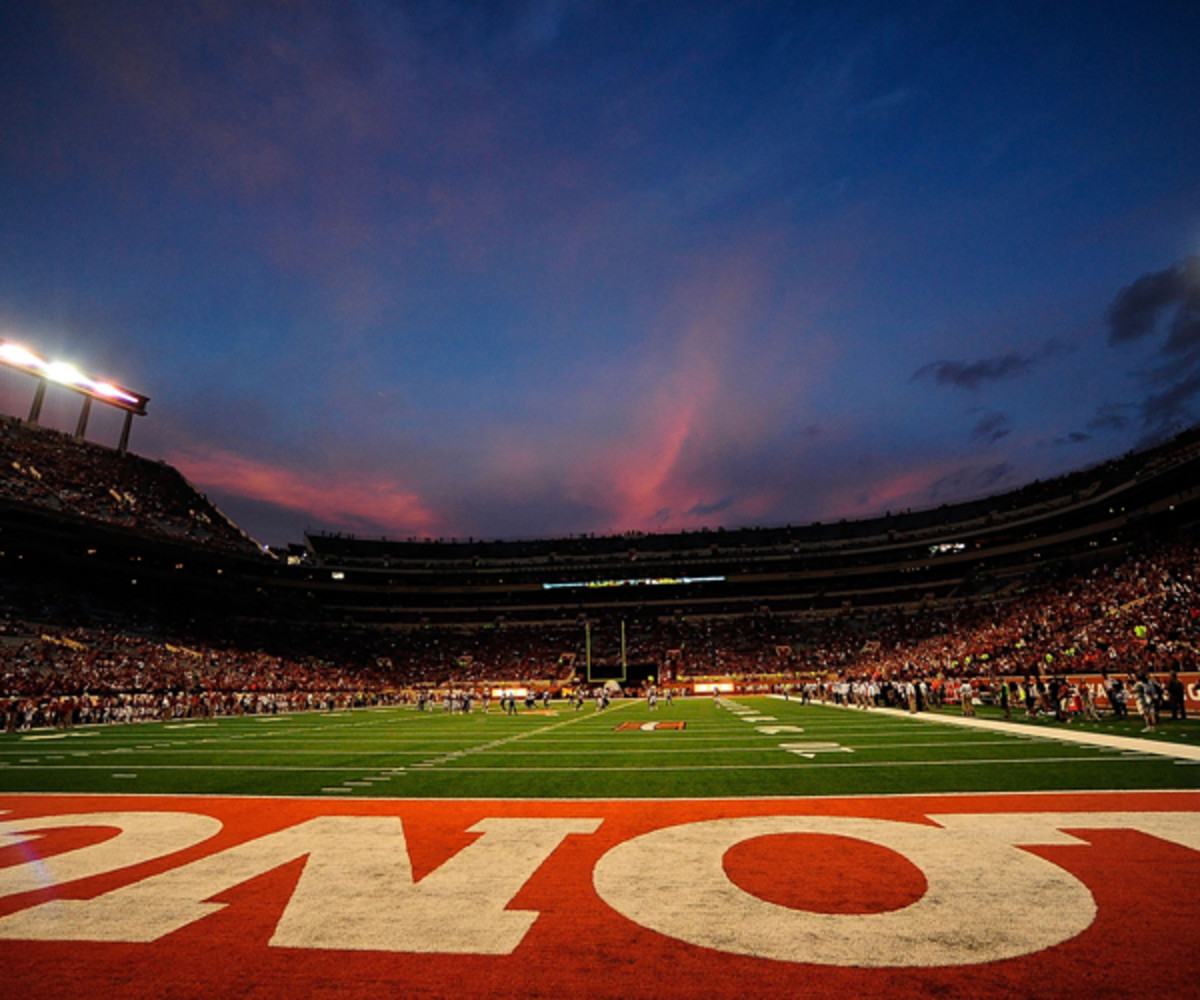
371, 902
356, 891
143, 837
977, 906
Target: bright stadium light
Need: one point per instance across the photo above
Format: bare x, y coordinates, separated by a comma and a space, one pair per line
65, 374
110, 391
16, 355
69, 376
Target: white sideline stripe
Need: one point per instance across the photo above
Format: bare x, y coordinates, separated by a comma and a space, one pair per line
1154, 747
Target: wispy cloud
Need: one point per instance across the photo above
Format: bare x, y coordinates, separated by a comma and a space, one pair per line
355, 503
1110, 417
704, 401
971, 480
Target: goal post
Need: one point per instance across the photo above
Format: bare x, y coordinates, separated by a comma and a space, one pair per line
604, 663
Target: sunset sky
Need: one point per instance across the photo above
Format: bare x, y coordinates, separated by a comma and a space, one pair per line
541, 268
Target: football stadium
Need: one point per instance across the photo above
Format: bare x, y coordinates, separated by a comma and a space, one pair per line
572, 500
951, 751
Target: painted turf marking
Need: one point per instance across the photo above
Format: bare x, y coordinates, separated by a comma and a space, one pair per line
968, 914
430, 763
143, 836
457, 757
609, 752
752, 748
791, 765
1154, 747
810, 750
55, 736
356, 889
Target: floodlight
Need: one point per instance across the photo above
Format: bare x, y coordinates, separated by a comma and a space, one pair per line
110, 391
66, 374
17, 355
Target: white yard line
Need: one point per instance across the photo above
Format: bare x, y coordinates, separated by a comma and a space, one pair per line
793, 765
1160, 748
429, 763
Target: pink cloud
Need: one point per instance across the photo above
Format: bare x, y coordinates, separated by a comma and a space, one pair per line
372, 503
692, 401
893, 490
741, 369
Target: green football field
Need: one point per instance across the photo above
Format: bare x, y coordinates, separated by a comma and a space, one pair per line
747, 746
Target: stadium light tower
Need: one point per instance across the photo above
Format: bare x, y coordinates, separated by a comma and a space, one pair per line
67, 375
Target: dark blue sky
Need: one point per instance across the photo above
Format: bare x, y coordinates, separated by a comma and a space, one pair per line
529, 269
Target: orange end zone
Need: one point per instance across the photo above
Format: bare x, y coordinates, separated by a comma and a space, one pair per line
1067, 895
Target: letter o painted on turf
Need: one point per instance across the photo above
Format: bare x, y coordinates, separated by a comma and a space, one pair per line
985, 899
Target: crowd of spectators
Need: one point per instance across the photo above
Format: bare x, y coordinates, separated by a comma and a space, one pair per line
1138, 618
68, 676
1135, 619
67, 663
49, 469
1141, 614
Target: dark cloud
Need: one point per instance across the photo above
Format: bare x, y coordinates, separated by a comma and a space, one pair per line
705, 509
990, 429
1185, 330
1141, 308
972, 374
1161, 303
1075, 437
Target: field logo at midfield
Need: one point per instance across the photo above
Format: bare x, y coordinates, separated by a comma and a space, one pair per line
769, 893
649, 727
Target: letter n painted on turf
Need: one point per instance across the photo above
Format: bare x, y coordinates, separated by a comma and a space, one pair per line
356, 891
